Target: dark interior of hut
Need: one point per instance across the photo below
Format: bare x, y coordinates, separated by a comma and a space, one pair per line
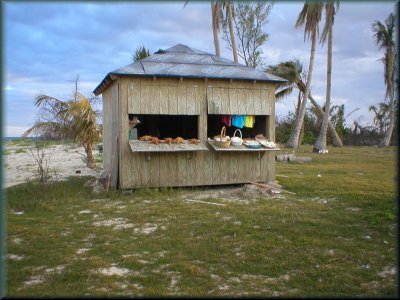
168, 126
215, 124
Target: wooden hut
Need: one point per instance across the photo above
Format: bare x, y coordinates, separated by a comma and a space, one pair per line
184, 92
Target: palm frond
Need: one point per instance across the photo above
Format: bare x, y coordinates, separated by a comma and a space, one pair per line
283, 93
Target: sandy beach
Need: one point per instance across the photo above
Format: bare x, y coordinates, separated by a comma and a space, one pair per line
19, 164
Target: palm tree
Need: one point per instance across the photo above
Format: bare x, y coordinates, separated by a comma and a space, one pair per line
384, 37
330, 12
309, 16
216, 11
140, 53
69, 119
292, 70
228, 6
216, 21
86, 129
381, 117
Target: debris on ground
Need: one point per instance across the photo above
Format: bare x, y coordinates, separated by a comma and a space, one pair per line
293, 158
273, 187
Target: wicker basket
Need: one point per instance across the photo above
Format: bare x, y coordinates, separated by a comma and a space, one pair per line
235, 140
222, 140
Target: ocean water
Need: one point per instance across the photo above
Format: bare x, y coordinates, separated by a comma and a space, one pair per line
13, 138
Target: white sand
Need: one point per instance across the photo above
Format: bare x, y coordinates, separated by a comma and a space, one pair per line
64, 161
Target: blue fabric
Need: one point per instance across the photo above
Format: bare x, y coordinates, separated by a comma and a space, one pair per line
238, 121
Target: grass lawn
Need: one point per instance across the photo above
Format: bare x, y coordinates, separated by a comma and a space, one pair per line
336, 236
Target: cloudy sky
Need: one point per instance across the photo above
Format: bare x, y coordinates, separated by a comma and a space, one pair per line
46, 45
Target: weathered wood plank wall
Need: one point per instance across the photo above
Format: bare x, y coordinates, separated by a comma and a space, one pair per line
110, 131
193, 97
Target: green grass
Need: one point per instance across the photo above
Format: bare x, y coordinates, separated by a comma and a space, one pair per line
20, 150
335, 237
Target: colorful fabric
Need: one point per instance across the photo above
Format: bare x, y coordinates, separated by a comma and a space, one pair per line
249, 121
227, 120
238, 121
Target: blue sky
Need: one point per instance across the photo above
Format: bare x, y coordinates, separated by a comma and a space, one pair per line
47, 44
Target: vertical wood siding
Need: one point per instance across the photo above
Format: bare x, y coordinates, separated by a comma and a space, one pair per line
193, 97
110, 131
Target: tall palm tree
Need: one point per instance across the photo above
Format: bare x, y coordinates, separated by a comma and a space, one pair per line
228, 7
217, 8
309, 16
292, 70
69, 119
384, 37
327, 32
216, 21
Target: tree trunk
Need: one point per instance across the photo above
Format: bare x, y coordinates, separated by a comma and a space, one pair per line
232, 33
390, 67
294, 136
386, 140
89, 156
320, 144
301, 136
336, 141
214, 11
297, 113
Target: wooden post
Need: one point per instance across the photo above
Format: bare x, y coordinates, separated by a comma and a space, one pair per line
112, 163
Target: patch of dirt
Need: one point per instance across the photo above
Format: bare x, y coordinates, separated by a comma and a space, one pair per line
81, 251
237, 194
33, 280
113, 271
146, 229
15, 257
117, 223
56, 270
388, 272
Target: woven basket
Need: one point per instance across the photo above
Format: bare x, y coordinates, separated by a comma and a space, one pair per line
222, 140
235, 140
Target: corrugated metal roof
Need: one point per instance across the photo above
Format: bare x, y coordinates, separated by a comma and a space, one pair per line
183, 61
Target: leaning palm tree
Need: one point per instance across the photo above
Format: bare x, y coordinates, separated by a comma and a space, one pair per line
309, 16
292, 70
330, 12
384, 37
69, 119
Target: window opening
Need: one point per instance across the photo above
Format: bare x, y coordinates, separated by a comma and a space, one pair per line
215, 124
166, 126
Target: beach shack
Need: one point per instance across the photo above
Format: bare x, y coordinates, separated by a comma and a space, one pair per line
167, 119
